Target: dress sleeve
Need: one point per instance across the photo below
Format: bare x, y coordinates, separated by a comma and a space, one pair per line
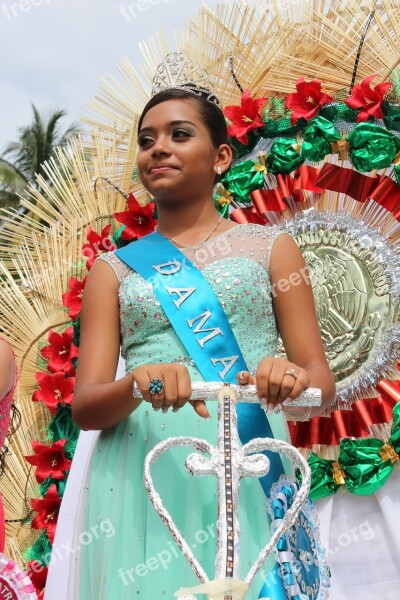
120, 269
274, 233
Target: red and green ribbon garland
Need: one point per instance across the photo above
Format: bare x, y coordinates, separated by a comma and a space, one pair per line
363, 466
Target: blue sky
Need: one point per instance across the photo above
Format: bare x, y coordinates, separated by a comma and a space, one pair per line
53, 52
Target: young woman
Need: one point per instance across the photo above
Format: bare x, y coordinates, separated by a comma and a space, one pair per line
8, 380
258, 276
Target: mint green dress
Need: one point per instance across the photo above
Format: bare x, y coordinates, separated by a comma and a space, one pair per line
138, 557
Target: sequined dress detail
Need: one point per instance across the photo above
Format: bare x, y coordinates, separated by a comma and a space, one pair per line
135, 556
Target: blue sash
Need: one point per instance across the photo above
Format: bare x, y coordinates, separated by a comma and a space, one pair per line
200, 322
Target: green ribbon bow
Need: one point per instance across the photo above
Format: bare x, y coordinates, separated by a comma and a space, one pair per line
365, 464
368, 463
243, 179
283, 157
317, 139
372, 147
322, 481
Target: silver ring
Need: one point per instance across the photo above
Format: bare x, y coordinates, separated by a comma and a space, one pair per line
292, 372
136, 390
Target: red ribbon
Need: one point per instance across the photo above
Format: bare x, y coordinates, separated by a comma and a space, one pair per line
305, 179
286, 184
248, 215
390, 391
372, 411
345, 424
268, 200
288, 187
381, 188
352, 423
345, 181
317, 430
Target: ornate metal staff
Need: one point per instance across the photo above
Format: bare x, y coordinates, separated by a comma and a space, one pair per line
230, 461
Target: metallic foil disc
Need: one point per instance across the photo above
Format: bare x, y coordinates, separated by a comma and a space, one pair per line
355, 276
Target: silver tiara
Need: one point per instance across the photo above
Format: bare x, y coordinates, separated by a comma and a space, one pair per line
178, 71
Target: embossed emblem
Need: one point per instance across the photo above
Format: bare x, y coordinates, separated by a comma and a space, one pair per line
351, 270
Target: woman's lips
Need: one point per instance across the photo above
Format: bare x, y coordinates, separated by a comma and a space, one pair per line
161, 168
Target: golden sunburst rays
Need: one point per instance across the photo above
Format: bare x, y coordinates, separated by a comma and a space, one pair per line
38, 258
268, 47
275, 43
66, 193
237, 37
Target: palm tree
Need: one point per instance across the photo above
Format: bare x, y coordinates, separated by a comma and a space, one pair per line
36, 145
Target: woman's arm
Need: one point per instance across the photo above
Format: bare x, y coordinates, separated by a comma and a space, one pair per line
296, 318
7, 369
100, 402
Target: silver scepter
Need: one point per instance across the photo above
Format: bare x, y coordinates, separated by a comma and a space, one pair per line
230, 461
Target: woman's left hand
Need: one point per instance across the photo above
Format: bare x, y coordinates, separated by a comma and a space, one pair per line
275, 383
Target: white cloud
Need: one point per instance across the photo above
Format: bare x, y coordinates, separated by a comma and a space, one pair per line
54, 51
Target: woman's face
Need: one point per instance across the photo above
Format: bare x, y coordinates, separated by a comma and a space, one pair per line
176, 155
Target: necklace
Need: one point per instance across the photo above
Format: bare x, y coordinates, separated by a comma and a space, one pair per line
194, 247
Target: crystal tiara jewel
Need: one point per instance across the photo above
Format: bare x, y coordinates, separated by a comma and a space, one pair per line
178, 71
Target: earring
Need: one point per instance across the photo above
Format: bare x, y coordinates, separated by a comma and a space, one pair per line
219, 170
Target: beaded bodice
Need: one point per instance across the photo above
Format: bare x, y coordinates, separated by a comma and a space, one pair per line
235, 264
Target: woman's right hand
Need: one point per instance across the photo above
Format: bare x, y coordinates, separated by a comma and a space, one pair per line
176, 391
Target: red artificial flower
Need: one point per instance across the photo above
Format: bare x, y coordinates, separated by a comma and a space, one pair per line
47, 509
307, 101
38, 575
61, 351
367, 99
73, 298
138, 220
54, 388
49, 460
97, 244
245, 117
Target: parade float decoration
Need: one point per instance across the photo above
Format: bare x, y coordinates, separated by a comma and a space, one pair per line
311, 94
14, 583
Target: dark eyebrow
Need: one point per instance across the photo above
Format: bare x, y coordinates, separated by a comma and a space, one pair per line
178, 122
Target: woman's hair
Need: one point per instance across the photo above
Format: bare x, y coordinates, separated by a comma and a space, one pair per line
15, 422
212, 115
